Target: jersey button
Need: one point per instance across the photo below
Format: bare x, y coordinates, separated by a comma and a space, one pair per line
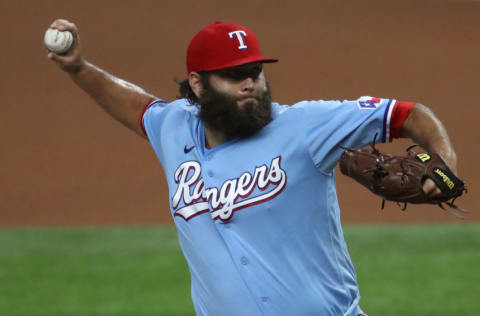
244, 261
210, 173
264, 299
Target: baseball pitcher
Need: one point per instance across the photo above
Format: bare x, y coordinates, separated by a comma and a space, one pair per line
251, 181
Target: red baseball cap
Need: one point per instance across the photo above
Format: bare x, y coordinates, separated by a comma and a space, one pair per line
223, 45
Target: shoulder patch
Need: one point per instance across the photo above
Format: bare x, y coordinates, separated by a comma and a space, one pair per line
368, 103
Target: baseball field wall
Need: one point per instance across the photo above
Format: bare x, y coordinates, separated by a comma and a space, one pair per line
63, 161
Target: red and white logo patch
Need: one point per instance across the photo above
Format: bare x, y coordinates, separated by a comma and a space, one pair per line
368, 103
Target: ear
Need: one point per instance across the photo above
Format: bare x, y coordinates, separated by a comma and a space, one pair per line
195, 83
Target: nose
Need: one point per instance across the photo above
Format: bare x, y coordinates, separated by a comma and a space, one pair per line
247, 85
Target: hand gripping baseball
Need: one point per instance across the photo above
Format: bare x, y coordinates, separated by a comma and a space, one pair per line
70, 61
401, 178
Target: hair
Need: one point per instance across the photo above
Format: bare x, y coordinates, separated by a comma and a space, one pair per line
186, 92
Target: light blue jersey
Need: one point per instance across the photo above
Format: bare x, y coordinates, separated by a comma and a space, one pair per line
258, 218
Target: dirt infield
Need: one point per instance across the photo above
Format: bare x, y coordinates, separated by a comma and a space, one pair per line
65, 162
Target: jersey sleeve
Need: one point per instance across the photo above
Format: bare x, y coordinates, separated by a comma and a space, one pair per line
331, 126
399, 115
152, 113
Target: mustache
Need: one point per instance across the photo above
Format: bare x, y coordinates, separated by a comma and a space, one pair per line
256, 96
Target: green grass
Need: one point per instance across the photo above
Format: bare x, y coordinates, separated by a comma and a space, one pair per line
115, 271
402, 270
417, 269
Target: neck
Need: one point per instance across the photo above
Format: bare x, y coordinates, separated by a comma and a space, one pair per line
213, 137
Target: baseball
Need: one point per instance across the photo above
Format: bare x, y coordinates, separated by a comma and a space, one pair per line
57, 41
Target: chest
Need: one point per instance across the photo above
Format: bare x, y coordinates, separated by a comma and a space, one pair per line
243, 174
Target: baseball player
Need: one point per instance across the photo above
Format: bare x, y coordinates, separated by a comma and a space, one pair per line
251, 182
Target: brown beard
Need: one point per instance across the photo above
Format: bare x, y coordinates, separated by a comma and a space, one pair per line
220, 111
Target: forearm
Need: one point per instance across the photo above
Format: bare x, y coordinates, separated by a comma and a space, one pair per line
425, 129
122, 100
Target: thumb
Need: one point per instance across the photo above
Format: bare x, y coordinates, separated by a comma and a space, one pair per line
51, 55
66, 62
57, 59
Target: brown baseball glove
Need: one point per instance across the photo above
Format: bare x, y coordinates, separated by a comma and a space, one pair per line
400, 178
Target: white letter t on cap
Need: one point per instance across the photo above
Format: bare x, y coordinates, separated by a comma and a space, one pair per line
239, 37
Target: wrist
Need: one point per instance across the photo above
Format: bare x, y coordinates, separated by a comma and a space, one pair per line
75, 69
450, 159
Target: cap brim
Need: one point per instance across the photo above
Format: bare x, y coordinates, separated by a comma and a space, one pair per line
243, 62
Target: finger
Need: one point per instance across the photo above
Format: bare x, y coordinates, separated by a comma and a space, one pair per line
64, 25
435, 193
59, 23
430, 188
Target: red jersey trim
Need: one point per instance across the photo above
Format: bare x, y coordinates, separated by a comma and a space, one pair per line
400, 113
144, 111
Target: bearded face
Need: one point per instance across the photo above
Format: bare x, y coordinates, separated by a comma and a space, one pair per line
221, 111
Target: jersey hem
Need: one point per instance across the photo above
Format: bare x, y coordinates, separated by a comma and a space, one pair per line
352, 306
